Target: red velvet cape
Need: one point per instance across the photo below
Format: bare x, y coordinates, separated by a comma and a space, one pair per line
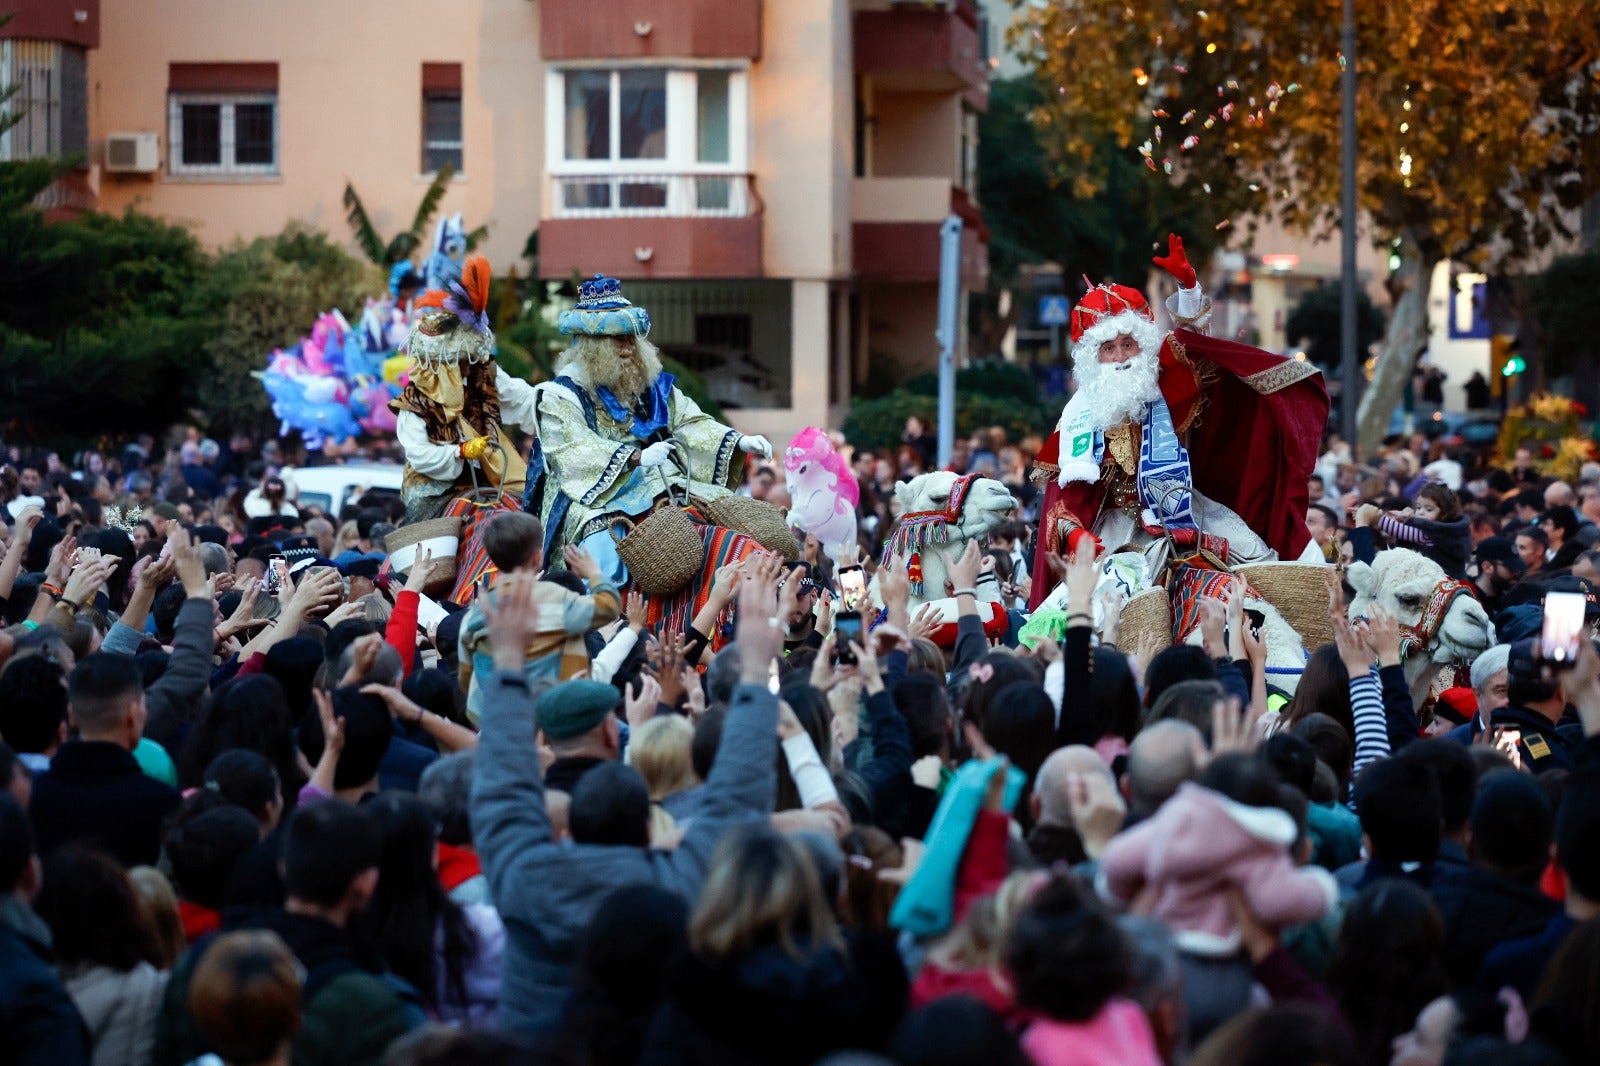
1253, 424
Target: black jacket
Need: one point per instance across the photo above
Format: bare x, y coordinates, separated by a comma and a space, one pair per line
95, 793
766, 1009
1544, 745
1481, 910
351, 1011
40, 1023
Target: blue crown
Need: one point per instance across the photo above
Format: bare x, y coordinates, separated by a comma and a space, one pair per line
601, 294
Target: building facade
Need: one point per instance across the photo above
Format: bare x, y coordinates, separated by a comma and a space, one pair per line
767, 176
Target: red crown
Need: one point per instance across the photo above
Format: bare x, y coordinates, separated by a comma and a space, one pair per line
1106, 301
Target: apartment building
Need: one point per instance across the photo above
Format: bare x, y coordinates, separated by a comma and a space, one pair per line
767, 176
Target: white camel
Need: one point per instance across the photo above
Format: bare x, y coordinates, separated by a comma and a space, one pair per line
1405, 583
938, 530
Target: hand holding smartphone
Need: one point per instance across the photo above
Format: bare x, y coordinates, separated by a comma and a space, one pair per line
1562, 630
853, 587
846, 631
277, 574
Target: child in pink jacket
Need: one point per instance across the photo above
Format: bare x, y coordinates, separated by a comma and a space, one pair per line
1226, 832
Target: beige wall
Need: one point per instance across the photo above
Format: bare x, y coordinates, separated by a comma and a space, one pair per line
915, 134
802, 101
349, 97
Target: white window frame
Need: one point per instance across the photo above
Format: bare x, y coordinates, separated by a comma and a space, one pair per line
228, 167
681, 166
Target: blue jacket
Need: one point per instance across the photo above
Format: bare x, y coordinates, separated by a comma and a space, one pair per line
546, 891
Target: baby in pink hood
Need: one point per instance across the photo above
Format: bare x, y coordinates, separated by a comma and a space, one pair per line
1226, 832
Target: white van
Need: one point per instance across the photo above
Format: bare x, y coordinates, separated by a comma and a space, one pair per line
333, 487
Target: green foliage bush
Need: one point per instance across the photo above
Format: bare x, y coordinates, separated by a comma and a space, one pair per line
878, 423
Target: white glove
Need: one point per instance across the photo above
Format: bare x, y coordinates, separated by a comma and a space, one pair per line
756, 446
655, 455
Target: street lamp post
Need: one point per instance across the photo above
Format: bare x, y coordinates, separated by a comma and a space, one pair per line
1349, 355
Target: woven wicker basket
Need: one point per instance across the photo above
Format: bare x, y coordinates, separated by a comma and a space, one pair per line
405, 544
1300, 593
1146, 615
754, 518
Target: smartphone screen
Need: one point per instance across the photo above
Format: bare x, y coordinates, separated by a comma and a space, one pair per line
853, 586
1563, 628
1507, 740
847, 631
277, 574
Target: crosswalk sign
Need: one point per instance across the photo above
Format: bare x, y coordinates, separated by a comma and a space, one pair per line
1054, 311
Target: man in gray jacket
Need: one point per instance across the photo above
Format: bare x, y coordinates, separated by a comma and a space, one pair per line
547, 892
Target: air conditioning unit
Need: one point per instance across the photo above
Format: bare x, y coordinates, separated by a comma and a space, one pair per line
133, 153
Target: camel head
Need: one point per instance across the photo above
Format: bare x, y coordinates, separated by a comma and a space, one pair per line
1402, 582
986, 504
970, 507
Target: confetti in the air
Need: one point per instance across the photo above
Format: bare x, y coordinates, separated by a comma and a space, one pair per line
1158, 113
1180, 68
1226, 112
1225, 223
1233, 85
1341, 60
1189, 142
1211, 120
1151, 163
1166, 164
1158, 134
1188, 117
1206, 185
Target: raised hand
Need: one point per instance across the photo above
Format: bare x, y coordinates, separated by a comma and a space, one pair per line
894, 587
366, 656
1233, 727
243, 616
421, 572
1383, 637
1176, 262
581, 563
1083, 574
760, 631
637, 612
965, 569
927, 622
1097, 810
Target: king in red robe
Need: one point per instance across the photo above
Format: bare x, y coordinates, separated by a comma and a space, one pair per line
1177, 435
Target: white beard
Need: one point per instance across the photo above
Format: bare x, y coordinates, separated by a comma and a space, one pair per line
1118, 392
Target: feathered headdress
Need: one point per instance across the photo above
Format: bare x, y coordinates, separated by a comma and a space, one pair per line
455, 324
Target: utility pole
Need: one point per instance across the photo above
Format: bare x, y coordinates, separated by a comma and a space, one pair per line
1349, 354
949, 324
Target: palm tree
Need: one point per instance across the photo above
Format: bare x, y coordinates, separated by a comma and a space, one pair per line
404, 243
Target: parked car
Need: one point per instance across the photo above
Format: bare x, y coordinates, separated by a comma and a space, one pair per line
333, 487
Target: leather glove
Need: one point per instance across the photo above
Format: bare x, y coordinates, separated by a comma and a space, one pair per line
655, 455
756, 446
472, 450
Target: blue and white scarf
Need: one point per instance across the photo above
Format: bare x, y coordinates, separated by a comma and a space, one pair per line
1165, 481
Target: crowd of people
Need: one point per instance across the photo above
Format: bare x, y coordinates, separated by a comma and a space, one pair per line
247, 821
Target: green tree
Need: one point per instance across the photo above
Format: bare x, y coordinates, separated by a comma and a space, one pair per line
266, 295
1478, 123
1316, 321
402, 244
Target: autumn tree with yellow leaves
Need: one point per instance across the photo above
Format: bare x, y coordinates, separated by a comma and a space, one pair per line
1478, 123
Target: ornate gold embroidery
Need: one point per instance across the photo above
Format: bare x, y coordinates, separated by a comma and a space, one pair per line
1281, 376
1121, 447
1205, 375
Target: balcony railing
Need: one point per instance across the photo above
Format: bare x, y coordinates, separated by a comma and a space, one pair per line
652, 196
